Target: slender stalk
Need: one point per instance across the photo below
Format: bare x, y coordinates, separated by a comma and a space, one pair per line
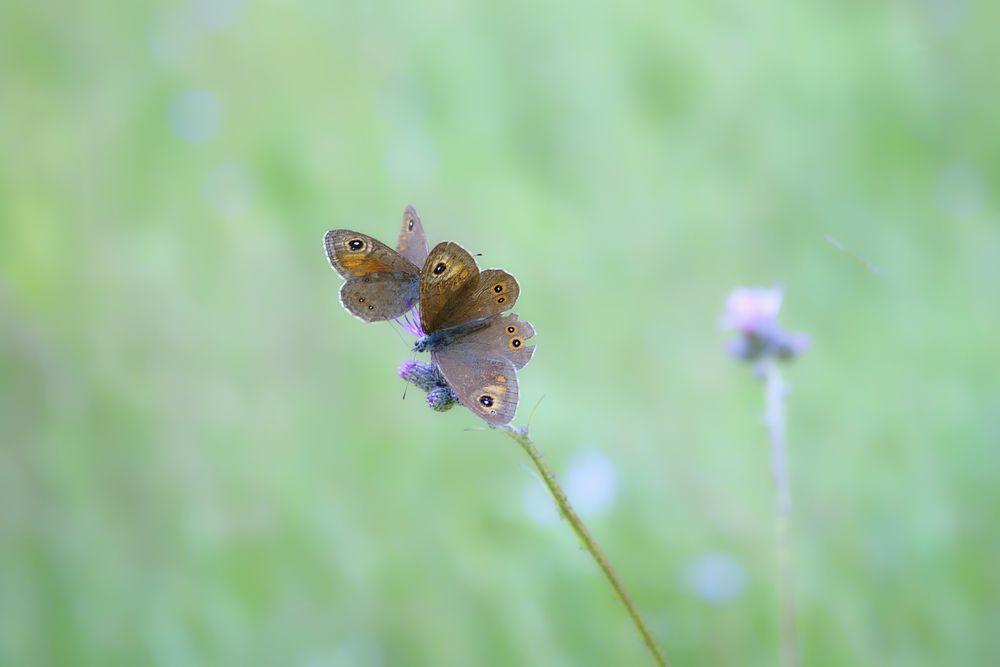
775, 390
520, 435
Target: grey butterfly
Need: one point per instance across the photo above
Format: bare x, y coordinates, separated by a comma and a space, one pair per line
381, 283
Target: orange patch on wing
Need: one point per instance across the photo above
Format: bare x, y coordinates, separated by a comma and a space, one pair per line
361, 265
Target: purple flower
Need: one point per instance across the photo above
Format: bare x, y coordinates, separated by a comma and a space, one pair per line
750, 309
425, 376
440, 396
753, 312
410, 322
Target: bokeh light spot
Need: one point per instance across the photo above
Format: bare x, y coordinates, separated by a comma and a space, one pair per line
195, 116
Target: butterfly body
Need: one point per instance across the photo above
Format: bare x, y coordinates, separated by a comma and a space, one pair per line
445, 337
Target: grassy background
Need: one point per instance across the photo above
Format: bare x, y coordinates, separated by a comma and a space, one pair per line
206, 461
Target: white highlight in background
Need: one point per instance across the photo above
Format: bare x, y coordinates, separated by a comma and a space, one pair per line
590, 483
716, 578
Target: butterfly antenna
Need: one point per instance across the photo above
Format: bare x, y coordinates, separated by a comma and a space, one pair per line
398, 329
531, 416
407, 385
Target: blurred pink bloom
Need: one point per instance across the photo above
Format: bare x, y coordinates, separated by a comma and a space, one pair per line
752, 309
753, 312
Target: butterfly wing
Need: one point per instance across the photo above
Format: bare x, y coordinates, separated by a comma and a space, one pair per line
509, 334
495, 292
381, 283
412, 241
448, 272
488, 387
453, 291
379, 297
481, 366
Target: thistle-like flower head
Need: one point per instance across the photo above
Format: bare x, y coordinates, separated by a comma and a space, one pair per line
752, 309
410, 322
753, 313
425, 376
440, 396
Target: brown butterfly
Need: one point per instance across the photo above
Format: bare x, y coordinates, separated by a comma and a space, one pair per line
476, 347
381, 283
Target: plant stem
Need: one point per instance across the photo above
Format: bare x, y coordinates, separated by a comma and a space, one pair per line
520, 435
775, 390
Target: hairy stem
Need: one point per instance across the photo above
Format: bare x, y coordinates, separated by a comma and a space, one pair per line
520, 435
775, 390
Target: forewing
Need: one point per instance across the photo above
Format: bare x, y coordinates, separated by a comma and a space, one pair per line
488, 387
495, 292
449, 272
353, 254
412, 240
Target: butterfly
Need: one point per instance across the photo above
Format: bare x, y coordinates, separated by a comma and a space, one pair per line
476, 347
381, 283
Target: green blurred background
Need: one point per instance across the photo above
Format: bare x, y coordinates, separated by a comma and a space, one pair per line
206, 461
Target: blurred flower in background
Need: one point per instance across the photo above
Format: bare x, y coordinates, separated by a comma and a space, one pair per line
753, 312
751, 309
